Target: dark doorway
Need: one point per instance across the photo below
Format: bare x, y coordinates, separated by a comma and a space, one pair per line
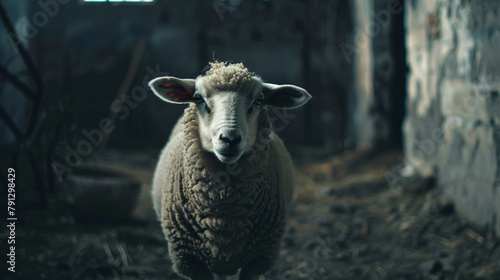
398, 86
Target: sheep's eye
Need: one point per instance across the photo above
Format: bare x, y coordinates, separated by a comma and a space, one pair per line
201, 103
257, 102
198, 99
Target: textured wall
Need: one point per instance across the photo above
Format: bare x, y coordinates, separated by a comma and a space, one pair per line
452, 126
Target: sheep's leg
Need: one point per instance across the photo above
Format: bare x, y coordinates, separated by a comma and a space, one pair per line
255, 269
265, 261
190, 268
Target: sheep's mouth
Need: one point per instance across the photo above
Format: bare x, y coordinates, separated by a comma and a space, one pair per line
229, 152
228, 156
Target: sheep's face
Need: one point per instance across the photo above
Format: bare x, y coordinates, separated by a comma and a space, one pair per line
229, 101
228, 118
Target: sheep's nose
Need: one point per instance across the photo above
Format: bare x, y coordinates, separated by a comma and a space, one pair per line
230, 139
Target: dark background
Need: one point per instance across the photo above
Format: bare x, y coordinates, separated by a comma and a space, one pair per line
380, 197
69, 66
85, 50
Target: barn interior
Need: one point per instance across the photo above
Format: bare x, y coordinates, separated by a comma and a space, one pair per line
397, 154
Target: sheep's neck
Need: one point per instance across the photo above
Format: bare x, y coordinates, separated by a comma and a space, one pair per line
220, 188
226, 204
219, 181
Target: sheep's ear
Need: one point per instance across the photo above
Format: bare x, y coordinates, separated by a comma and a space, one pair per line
284, 96
172, 89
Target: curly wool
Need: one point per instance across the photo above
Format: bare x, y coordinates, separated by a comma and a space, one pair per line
222, 222
227, 76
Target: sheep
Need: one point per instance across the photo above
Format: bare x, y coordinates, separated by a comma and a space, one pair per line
224, 182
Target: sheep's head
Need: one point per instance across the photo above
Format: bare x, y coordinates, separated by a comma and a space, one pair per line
229, 99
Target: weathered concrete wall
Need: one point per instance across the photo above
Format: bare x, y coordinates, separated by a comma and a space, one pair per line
452, 126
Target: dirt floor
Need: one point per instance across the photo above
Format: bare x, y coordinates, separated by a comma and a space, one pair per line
348, 222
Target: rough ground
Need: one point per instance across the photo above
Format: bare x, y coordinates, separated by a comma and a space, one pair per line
348, 222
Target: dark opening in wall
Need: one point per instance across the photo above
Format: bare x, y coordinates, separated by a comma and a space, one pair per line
398, 87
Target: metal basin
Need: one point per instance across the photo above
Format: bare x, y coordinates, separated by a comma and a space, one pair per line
99, 195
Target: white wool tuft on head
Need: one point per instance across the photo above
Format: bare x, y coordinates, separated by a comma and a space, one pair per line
229, 76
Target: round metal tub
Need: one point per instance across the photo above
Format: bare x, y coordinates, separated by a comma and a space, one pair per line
99, 195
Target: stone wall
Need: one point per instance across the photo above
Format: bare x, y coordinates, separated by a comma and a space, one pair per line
452, 125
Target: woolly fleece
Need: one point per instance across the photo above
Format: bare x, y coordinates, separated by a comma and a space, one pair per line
219, 218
